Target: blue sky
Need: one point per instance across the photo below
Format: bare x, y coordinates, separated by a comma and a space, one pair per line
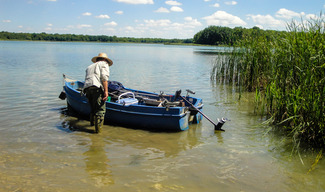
150, 18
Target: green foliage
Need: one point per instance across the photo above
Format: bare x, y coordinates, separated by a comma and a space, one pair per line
86, 38
217, 35
287, 71
214, 35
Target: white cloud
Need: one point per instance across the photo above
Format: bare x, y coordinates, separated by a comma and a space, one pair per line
135, 1
155, 23
188, 18
177, 25
174, 3
176, 9
83, 26
111, 30
112, 24
192, 23
103, 17
163, 28
223, 18
311, 16
86, 14
130, 29
49, 27
6, 21
267, 21
169, 25
231, 3
287, 14
216, 5
207, 0
52, 0
162, 10
119, 12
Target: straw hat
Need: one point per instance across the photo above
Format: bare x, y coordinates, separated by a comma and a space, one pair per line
104, 56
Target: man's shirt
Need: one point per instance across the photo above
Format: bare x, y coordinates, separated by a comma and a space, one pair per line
96, 73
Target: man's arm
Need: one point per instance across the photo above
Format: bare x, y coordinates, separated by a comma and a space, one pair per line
105, 84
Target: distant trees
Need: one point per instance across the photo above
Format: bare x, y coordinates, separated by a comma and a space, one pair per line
86, 38
217, 35
212, 35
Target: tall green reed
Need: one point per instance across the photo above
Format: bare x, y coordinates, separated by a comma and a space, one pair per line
287, 71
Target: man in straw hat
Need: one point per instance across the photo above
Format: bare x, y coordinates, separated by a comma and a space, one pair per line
96, 88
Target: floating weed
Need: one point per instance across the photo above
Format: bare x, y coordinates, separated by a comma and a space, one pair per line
317, 159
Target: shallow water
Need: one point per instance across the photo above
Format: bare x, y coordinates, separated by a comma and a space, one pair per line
43, 149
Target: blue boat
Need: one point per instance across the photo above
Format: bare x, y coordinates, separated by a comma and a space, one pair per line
138, 109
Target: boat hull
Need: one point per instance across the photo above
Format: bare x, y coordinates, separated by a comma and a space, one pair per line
133, 116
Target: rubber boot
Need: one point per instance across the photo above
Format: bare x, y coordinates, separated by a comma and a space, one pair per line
99, 122
92, 119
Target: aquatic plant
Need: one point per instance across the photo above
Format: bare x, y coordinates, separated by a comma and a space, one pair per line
287, 71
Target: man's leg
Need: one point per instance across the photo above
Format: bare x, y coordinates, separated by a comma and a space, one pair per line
100, 111
92, 101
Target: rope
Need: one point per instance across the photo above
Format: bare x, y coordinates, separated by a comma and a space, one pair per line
68, 78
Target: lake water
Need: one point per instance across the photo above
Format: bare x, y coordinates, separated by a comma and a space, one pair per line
43, 149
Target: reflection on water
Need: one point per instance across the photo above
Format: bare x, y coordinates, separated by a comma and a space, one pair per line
138, 146
72, 122
213, 50
97, 162
219, 136
42, 148
96, 158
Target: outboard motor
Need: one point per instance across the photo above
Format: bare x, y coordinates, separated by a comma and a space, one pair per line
220, 123
177, 94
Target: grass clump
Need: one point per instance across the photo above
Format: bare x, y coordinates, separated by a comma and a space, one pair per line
287, 71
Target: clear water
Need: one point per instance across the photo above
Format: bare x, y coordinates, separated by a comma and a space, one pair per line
42, 149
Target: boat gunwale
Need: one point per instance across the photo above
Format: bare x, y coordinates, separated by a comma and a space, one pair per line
160, 111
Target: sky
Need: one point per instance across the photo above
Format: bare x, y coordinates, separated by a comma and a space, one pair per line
167, 19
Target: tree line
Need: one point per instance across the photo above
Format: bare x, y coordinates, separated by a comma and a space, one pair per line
212, 35
217, 35
86, 38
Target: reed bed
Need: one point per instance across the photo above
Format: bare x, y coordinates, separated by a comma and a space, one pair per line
287, 72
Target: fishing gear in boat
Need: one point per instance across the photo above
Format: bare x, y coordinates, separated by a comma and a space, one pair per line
221, 122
